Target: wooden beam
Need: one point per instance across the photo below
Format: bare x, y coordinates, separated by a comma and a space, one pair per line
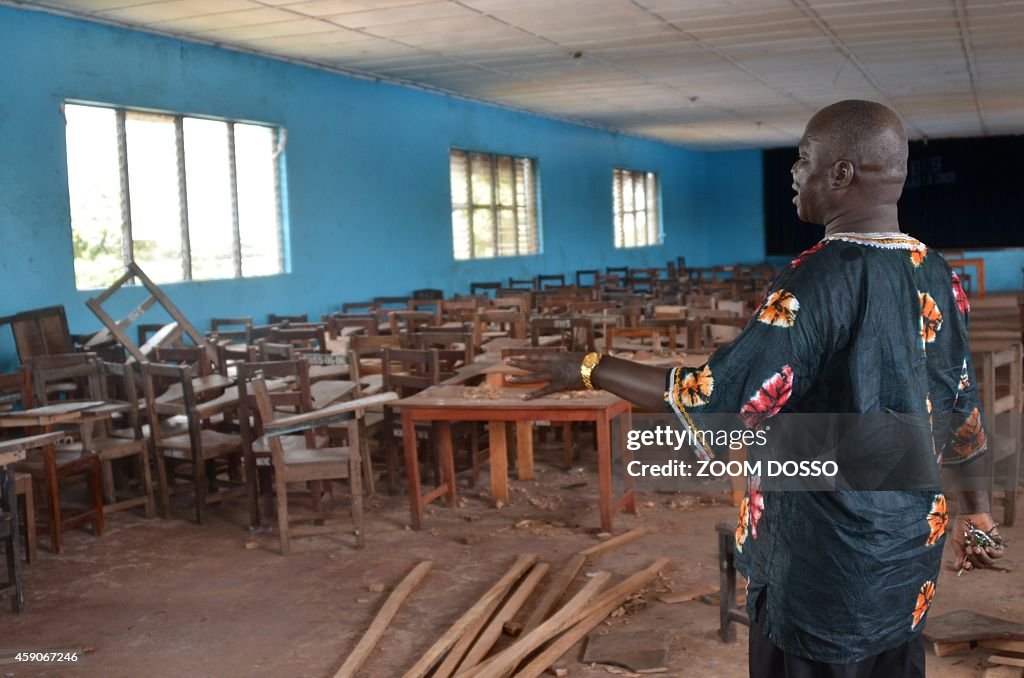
615, 542
505, 662
553, 593
380, 622
490, 635
592, 615
448, 639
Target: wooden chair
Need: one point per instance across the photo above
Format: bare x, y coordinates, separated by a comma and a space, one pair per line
653, 334
321, 464
454, 349
428, 293
116, 452
9, 538
1002, 399
306, 338
346, 324
359, 307
297, 398
489, 325
405, 372
622, 272
410, 321
203, 451
234, 329
16, 389
575, 334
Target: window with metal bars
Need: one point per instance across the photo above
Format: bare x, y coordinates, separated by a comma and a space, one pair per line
635, 198
186, 198
494, 205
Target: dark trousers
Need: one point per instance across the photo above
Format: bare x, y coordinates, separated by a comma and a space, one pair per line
768, 661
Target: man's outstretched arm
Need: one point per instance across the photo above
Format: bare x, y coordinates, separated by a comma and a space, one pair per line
642, 385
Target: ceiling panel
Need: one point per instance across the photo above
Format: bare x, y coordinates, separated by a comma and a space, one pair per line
702, 73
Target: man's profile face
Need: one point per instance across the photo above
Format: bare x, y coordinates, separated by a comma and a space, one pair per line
810, 178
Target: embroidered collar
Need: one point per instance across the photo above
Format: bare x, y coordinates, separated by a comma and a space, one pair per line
892, 240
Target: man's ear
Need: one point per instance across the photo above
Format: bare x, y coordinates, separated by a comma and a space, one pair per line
841, 174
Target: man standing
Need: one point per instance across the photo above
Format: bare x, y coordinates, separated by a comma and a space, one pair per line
867, 321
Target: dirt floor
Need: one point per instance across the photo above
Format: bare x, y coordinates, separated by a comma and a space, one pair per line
170, 598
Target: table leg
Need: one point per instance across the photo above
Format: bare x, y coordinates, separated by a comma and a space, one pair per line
412, 470
604, 473
10, 494
53, 498
981, 279
524, 450
499, 463
447, 453
630, 481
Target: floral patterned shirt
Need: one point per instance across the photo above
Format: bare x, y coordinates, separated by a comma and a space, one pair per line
859, 323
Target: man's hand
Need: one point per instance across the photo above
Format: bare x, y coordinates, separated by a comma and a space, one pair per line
970, 557
560, 370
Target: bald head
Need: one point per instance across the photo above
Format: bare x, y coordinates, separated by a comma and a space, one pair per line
867, 134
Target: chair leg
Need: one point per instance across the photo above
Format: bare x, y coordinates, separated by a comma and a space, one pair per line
31, 551
147, 482
13, 546
199, 479
109, 493
567, 446
53, 499
355, 480
366, 462
96, 488
282, 510
165, 491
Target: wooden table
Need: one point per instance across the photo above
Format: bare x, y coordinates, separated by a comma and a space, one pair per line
84, 413
445, 404
12, 451
978, 264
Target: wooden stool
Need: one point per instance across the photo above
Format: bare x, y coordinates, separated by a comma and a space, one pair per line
23, 487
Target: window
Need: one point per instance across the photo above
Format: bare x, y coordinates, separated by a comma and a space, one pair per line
635, 195
186, 198
494, 205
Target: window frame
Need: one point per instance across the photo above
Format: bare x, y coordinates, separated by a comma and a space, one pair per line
470, 206
127, 243
650, 205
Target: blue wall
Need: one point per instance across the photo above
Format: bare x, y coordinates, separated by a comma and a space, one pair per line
367, 171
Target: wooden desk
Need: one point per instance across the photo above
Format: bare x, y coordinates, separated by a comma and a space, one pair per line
979, 266
13, 451
445, 404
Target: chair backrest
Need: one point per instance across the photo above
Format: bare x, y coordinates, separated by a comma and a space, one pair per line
621, 271
297, 397
512, 322
43, 393
277, 319
545, 281
654, 334
193, 356
428, 293
587, 277
40, 331
359, 307
523, 283
408, 321
337, 323
155, 378
232, 328
16, 390
575, 334
308, 338
455, 349
407, 371
484, 287
84, 371
392, 303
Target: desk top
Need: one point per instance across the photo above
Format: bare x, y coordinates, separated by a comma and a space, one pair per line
14, 449
488, 398
58, 413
